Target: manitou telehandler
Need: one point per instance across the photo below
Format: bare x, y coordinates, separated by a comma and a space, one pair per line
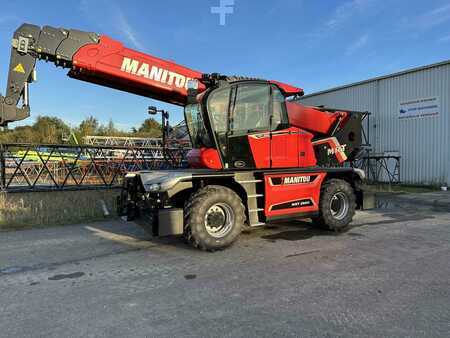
258, 155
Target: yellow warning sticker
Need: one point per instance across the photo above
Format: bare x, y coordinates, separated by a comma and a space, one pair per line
19, 68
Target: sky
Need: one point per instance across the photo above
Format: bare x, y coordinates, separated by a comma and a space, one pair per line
311, 44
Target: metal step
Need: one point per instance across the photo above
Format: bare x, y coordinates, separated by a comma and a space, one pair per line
249, 181
257, 224
255, 210
255, 196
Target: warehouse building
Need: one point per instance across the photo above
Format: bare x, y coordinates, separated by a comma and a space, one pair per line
409, 117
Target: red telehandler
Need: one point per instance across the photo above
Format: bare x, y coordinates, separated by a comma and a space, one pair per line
258, 155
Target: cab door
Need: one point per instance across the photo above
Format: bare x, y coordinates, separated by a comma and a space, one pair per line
218, 111
284, 140
251, 127
245, 143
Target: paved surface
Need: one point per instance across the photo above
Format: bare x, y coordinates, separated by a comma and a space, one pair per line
388, 276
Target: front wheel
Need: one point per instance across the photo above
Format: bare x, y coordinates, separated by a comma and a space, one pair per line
337, 205
213, 218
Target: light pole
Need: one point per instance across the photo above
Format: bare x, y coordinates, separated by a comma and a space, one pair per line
152, 110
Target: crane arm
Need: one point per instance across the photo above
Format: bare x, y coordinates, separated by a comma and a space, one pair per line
89, 57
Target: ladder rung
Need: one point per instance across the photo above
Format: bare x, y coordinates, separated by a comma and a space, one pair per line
257, 224
255, 210
251, 181
254, 196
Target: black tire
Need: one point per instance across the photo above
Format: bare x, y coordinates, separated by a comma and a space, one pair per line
334, 216
206, 210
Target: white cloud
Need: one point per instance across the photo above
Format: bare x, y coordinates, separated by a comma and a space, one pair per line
127, 30
118, 19
345, 12
445, 38
428, 20
357, 44
437, 16
342, 16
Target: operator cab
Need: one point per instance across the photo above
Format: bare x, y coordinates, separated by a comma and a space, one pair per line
245, 125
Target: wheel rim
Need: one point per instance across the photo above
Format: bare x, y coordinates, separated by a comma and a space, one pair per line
219, 220
339, 205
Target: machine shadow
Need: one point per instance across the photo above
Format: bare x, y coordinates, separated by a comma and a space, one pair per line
297, 230
131, 234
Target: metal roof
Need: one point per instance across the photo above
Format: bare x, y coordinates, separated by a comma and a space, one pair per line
403, 72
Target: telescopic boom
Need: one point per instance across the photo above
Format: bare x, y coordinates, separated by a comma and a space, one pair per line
90, 57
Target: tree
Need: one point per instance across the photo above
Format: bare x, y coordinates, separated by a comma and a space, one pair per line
110, 130
48, 130
21, 134
88, 126
150, 128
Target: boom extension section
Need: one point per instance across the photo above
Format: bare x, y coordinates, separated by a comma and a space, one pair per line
29, 43
90, 57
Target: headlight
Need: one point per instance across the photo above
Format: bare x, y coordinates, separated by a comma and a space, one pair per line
154, 187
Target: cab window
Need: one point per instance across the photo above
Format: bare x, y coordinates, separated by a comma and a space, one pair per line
218, 103
251, 109
279, 116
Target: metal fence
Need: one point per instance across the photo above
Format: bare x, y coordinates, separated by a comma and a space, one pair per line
44, 167
41, 167
380, 168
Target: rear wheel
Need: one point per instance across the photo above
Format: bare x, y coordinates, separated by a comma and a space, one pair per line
337, 205
213, 218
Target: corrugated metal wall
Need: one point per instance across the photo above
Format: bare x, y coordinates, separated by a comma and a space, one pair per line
423, 143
